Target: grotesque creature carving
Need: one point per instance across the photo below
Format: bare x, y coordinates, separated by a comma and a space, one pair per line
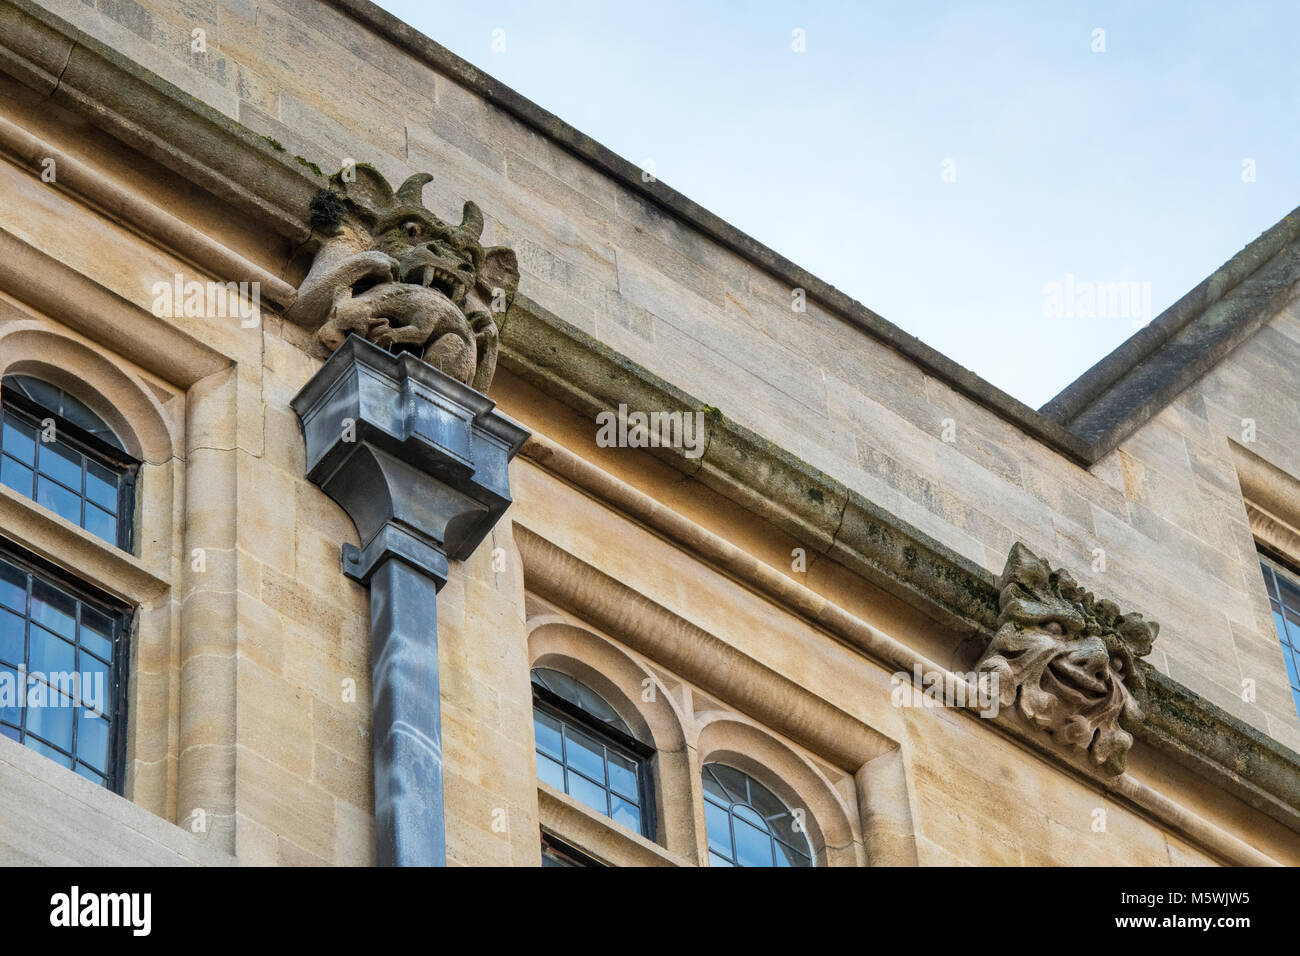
1067, 659
394, 273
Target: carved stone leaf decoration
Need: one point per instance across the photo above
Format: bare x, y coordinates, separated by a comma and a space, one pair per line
392, 272
1067, 660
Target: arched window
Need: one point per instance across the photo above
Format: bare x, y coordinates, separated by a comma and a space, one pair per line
59, 453
747, 823
586, 750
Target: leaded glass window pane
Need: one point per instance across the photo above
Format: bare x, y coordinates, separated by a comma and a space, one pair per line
580, 695
1284, 599
61, 671
747, 824
586, 750
63, 405
56, 451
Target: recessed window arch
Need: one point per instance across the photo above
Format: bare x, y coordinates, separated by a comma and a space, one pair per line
586, 750
147, 417
747, 824
65, 457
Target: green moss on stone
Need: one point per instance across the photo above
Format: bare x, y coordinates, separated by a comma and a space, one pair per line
713, 415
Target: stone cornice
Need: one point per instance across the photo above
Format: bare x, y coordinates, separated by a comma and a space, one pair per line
47, 285
1206, 739
817, 510
146, 218
155, 118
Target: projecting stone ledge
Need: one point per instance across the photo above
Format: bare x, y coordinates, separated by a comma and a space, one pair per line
419, 462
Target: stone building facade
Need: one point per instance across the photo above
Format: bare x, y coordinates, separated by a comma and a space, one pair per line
661, 652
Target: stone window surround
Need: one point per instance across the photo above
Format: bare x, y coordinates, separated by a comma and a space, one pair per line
115, 392
171, 763
688, 728
1272, 500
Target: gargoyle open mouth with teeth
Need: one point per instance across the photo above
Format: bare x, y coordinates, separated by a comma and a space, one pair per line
439, 278
391, 271
1065, 659
431, 253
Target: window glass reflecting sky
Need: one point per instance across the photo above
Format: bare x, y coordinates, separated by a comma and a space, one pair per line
969, 171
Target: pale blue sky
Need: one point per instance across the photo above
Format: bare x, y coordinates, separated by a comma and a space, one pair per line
1123, 165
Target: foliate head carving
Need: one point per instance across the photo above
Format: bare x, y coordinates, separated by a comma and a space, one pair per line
394, 273
1066, 659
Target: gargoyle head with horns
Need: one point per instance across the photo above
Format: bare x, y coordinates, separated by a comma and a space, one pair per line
1067, 659
394, 273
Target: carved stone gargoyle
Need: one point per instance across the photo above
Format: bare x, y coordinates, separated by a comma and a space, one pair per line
391, 271
1066, 659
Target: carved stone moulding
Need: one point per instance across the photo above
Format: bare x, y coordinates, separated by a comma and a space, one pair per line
1066, 659
389, 270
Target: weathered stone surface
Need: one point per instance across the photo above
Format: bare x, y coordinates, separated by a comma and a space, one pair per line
683, 314
392, 272
1067, 660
